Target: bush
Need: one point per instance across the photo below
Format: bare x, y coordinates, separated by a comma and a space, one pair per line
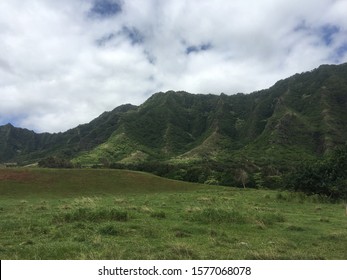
55, 162
325, 177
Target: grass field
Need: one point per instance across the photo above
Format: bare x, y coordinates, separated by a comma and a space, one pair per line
113, 214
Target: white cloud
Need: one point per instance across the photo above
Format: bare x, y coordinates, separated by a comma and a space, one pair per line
60, 66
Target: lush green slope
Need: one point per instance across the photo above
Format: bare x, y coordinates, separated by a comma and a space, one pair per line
26, 146
112, 214
299, 118
303, 115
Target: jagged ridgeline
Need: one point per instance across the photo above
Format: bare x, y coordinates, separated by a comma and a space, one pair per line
198, 137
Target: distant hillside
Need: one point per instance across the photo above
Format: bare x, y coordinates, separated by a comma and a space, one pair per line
25, 146
299, 118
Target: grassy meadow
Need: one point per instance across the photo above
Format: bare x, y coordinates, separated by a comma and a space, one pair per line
117, 214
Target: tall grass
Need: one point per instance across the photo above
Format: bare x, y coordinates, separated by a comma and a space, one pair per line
218, 215
93, 215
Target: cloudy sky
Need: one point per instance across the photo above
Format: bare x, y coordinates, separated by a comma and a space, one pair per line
65, 62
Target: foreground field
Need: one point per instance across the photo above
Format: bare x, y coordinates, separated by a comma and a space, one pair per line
112, 214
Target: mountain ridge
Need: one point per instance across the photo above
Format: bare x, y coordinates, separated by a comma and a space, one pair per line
298, 118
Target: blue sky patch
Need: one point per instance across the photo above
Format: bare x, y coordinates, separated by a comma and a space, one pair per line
327, 33
342, 50
105, 39
14, 120
202, 47
106, 8
133, 34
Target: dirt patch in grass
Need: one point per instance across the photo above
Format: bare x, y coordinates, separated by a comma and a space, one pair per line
16, 176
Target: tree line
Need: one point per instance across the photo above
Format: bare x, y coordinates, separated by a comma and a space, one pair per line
325, 177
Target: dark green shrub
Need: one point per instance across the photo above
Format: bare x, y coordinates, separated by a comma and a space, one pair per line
55, 162
325, 177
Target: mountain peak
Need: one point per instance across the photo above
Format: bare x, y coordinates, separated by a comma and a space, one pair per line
9, 125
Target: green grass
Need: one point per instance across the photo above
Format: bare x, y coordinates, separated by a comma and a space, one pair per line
112, 214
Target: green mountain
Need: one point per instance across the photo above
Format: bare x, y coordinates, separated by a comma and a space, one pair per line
25, 146
302, 115
300, 118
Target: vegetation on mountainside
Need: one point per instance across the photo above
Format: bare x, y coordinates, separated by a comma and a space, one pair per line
206, 138
118, 214
55, 162
326, 177
24, 146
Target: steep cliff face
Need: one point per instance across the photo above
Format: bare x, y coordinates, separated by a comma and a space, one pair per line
303, 116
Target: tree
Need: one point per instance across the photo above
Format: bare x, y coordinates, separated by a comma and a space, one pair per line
326, 177
242, 177
55, 162
258, 179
